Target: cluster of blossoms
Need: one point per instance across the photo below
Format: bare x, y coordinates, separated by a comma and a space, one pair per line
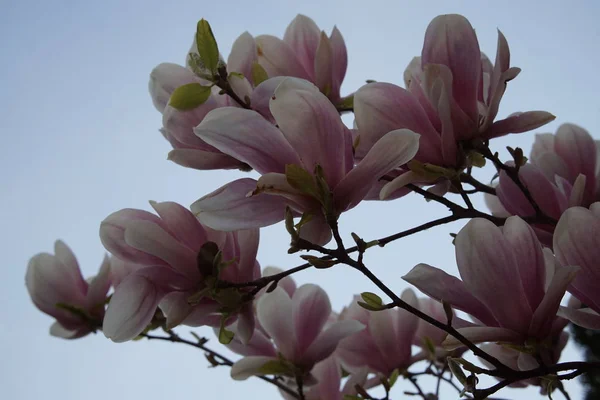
275, 107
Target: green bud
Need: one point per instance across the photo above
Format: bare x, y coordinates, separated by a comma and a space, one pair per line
393, 377
225, 336
457, 371
371, 299
319, 262
189, 96
207, 47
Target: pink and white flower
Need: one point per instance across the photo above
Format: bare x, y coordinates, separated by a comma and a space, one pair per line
509, 285
298, 328
58, 289
310, 135
385, 344
305, 52
168, 247
577, 245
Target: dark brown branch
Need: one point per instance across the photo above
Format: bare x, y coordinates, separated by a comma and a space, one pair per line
217, 358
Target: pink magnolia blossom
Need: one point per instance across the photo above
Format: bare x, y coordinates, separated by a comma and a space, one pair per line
386, 343
299, 332
509, 285
452, 93
168, 247
566, 155
305, 52
553, 196
58, 289
309, 134
577, 243
454, 72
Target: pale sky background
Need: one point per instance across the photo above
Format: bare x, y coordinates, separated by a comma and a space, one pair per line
81, 140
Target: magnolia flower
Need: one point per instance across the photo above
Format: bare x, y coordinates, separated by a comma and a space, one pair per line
58, 289
567, 155
577, 243
305, 52
509, 285
385, 345
305, 162
453, 94
297, 327
179, 256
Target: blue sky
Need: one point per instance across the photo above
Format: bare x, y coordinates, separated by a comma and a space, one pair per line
81, 140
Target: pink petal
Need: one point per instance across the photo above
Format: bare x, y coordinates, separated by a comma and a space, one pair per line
302, 35
316, 231
57, 330
576, 242
176, 308
377, 111
278, 58
274, 311
261, 97
249, 366
519, 122
396, 148
324, 65
578, 149
229, 207
545, 314
180, 124
152, 239
112, 235
329, 376
243, 54
131, 308
585, 318
120, 269
248, 137
184, 225
495, 205
246, 323
203, 160
66, 257
481, 244
327, 341
247, 240
450, 40
49, 281
259, 344
397, 185
311, 309
438, 285
481, 334
339, 62
313, 127
406, 325
528, 255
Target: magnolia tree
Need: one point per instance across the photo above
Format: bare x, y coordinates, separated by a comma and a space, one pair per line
275, 107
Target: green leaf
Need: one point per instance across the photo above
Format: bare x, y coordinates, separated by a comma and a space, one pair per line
207, 46
259, 75
457, 371
306, 218
225, 336
476, 159
274, 367
300, 179
394, 377
372, 299
189, 96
